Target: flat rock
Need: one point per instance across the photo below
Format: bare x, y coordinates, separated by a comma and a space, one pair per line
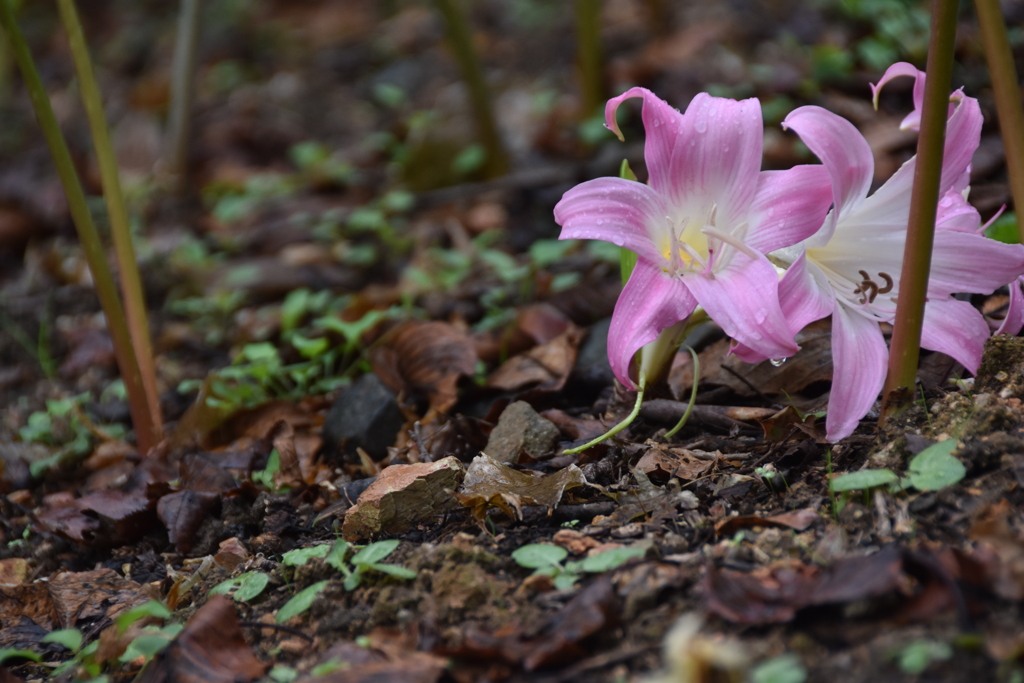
365, 415
520, 429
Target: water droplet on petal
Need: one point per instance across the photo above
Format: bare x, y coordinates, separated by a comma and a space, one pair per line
701, 126
777, 362
617, 241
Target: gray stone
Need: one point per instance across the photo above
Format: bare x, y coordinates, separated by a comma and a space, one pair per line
365, 415
520, 429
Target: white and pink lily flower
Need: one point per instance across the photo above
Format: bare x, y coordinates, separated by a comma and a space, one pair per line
1014, 319
851, 267
701, 226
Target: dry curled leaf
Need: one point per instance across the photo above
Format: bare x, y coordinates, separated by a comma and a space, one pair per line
489, 482
427, 358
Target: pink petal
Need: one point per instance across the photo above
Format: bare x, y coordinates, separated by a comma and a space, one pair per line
717, 157
957, 214
789, 207
963, 133
965, 262
805, 295
743, 299
650, 302
913, 119
860, 360
1014, 320
612, 210
662, 126
957, 329
843, 151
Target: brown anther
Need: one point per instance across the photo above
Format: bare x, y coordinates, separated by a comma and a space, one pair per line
888, 283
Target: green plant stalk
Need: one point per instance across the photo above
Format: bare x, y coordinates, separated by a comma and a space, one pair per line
905, 348
461, 41
1006, 89
92, 247
183, 72
617, 428
128, 267
693, 396
589, 56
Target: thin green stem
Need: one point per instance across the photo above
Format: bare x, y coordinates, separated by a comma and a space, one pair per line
693, 395
183, 72
120, 231
905, 348
461, 40
1006, 88
617, 428
92, 247
589, 57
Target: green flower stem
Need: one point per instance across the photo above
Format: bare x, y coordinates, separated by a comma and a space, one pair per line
905, 347
183, 73
92, 247
128, 268
1006, 88
693, 396
589, 57
617, 428
461, 40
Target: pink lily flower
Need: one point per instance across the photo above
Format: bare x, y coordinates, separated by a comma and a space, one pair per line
1014, 319
701, 227
851, 267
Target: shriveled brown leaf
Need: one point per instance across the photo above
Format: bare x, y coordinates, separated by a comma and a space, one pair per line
211, 649
673, 462
427, 358
88, 597
547, 366
29, 601
101, 518
489, 482
797, 519
774, 594
183, 512
646, 501
403, 495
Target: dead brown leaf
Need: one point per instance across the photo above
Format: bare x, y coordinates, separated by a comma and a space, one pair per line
427, 358
489, 482
88, 597
211, 649
673, 462
547, 366
797, 519
402, 495
773, 594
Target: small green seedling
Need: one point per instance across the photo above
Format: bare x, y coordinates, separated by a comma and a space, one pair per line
915, 657
368, 558
861, 480
935, 467
64, 425
282, 674
301, 602
300, 556
243, 587
782, 669
546, 559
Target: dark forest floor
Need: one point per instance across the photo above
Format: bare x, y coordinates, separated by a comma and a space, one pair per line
344, 309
